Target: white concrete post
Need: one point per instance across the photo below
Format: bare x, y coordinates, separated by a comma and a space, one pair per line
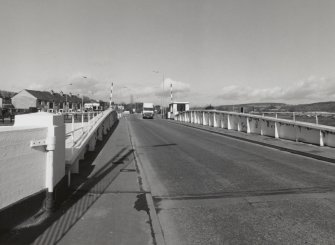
215, 125
276, 130
316, 119
293, 116
296, 133
322, 138
262, 127
203, 118
239, 126
248, 126
99, 132
55, 147
229, 122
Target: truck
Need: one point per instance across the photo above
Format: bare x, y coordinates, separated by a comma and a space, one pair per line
148, 110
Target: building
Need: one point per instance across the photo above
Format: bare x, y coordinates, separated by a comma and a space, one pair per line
34, 100
176, 107
6, 99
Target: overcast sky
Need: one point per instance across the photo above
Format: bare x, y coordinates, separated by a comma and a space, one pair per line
213, 52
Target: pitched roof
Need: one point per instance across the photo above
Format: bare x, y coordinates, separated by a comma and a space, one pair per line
74, 99
6, 94
41, 95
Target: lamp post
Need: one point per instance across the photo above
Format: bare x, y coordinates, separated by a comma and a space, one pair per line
66, 95
82, 98
162, 97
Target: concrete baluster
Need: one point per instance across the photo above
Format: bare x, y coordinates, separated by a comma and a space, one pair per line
99, 132
248, 125
322, 138
239, 124
91, 145
229, 122
316, 119
105, 126
296, 133
215, 124
277, 130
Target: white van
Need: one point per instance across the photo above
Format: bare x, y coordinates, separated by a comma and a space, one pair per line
148, 110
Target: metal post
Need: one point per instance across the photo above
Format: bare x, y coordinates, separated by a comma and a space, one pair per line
72, 130
82, 121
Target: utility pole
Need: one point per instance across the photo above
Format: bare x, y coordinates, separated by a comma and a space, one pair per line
110, 101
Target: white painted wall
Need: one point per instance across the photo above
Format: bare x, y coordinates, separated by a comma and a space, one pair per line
23, 100
22, 169
56, 128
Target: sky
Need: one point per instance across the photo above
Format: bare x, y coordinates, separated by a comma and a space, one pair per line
212, 52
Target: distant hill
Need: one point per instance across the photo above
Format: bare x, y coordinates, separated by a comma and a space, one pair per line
319, 106
251, 106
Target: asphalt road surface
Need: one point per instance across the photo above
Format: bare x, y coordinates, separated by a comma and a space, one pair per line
210, 189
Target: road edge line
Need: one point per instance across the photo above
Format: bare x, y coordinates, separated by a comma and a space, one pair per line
155, 224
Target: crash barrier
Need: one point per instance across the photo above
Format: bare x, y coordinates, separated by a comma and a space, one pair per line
83, 137
35, 155
269, 126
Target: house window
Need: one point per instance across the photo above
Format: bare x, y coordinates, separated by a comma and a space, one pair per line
180, 107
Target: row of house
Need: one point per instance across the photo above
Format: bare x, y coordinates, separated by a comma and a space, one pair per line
48, 101
5, 99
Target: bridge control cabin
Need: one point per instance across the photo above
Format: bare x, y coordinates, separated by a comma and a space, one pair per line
176, 107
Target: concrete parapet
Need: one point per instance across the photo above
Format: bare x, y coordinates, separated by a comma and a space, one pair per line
33, 157
278, 128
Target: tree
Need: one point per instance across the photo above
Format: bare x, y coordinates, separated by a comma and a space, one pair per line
209, 107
